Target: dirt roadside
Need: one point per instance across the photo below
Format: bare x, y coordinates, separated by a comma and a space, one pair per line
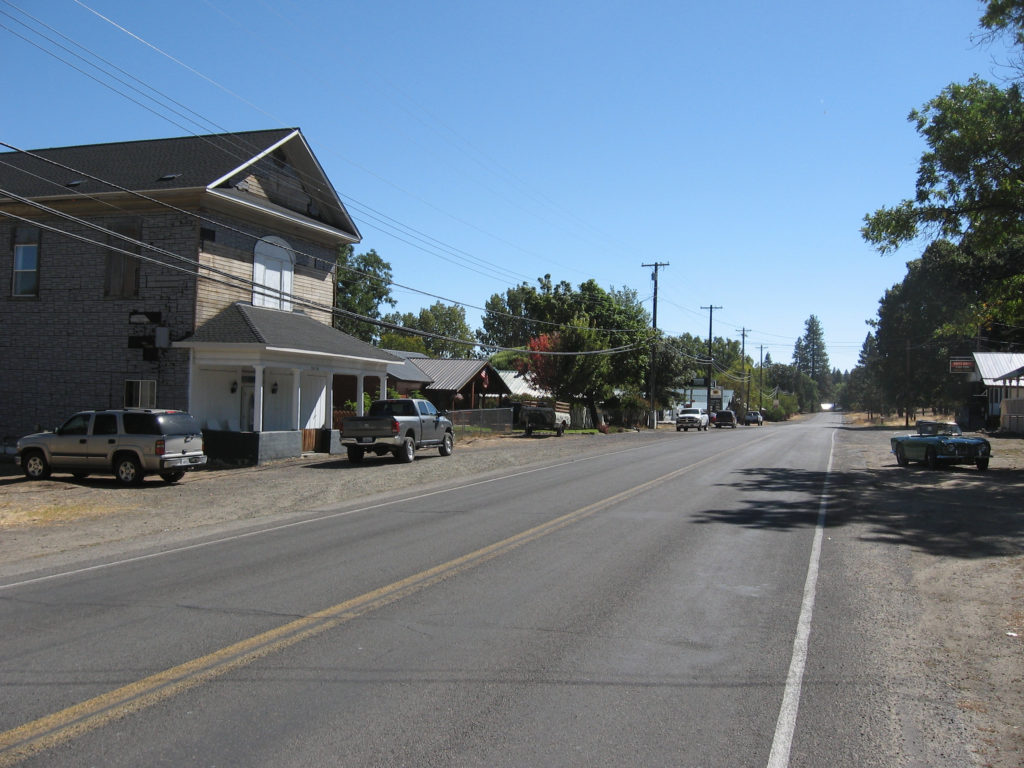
960, 530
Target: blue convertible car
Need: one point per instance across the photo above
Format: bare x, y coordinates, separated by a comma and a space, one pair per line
941, 442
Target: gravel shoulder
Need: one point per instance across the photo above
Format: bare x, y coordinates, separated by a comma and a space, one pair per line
948, 549
959, 532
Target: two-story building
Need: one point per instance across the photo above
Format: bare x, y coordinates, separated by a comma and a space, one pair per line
195, 273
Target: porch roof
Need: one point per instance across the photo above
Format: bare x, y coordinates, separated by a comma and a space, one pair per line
244, 324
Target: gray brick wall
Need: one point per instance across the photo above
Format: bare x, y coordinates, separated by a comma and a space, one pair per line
72, 348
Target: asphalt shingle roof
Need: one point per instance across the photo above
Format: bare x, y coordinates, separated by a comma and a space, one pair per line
245, 324
407, 369
178, 163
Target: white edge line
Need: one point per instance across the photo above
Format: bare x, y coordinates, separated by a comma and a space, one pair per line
786, 724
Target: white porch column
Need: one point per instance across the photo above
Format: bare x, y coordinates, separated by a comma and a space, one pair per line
257, 415
359, 395
296, 398
382, 386
329, 401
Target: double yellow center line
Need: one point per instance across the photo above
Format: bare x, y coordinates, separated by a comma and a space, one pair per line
46, 732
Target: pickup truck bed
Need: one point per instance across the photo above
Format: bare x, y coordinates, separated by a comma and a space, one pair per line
399, 427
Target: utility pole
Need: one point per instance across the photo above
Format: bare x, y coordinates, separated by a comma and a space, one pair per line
711, 318
760, 387
654, 341
743, 360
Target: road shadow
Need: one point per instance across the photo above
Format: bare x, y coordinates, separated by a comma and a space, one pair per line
952, 512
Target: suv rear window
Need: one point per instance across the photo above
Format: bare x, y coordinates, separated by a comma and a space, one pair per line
160, 424
178, 424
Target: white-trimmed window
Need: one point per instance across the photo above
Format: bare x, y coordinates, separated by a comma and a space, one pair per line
25, 275
140, 393
272, 274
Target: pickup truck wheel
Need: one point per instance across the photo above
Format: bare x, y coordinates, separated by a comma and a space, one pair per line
981, 464
172, 475
931, 459
35, 466
447, 445
127, 469
901, 456
355, 453
407, 452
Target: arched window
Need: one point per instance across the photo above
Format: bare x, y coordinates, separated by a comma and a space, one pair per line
272, 270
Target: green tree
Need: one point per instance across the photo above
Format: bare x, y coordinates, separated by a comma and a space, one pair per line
508, 320
970, 181
811, 358
576, 321
363, 284
443, 327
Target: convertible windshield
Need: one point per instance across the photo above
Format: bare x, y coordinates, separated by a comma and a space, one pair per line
938, 428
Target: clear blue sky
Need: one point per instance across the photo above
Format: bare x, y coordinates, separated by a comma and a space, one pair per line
480, 144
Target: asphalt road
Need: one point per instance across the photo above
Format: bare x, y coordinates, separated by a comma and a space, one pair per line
674, 601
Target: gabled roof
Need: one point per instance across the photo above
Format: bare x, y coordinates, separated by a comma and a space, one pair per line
447, 374
993, 366
244, 324
212, 163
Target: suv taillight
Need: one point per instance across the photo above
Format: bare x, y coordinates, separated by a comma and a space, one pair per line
160, 448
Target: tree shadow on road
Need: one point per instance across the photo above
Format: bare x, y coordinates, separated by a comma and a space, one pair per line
953, 512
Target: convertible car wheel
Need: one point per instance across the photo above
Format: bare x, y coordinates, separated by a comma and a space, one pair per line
901, 457
982, 464
931, 459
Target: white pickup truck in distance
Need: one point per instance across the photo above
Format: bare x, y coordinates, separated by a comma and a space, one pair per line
400, 427
692, 418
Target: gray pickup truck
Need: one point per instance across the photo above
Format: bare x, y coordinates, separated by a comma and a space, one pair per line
399, 427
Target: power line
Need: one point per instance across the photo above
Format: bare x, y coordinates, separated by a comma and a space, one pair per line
259, 289
247, 235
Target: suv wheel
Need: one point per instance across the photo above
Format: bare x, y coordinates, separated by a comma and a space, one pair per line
172, 475
35, 465
127, 469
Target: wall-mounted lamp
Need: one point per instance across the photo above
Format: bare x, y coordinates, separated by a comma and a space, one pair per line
273, 389
234, 387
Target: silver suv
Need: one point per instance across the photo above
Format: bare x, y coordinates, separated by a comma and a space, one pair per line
128, 444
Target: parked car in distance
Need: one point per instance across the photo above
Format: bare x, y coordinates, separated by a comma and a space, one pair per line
400, 427
941, 442
692, 418
754, 417
725, 419
128, 444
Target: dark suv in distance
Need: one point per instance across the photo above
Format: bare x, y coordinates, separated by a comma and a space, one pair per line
725, 419
128, 444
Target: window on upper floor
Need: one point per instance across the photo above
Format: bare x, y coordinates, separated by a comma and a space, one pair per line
25, 275
272, 273
121, 274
